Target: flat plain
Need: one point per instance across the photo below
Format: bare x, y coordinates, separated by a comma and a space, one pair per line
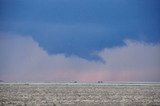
79, 94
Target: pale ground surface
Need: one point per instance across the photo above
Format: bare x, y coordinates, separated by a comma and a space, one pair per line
66, 94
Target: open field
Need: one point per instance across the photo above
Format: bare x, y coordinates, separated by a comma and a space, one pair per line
79, 94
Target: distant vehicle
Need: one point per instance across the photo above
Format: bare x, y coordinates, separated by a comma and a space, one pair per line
100, 81
75, 81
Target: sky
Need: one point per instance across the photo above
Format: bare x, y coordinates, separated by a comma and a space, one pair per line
82, 40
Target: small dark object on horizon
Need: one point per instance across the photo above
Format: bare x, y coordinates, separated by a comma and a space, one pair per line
75, 81
26, 84
100, 81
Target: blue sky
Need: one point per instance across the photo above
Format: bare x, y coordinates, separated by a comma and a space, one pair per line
81, 28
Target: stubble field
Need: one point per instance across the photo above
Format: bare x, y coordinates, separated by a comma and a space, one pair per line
79, 94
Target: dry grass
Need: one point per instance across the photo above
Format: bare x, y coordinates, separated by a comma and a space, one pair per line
78, 94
